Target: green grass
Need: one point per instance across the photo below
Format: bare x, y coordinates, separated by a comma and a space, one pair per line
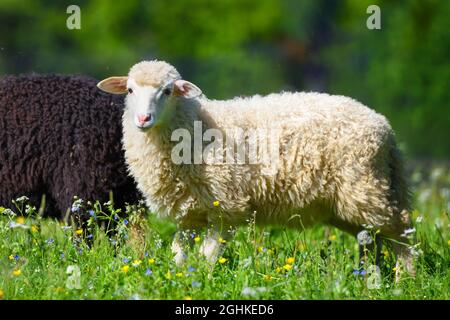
35, 256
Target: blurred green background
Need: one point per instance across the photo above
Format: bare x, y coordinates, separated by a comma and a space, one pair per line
243, 47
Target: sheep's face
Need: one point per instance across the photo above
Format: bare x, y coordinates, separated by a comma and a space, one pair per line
149, 104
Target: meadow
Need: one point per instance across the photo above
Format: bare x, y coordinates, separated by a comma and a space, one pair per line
124, 256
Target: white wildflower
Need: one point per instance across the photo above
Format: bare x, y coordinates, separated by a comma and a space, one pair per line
364, 238
252, 292
247, 262
408, 231
437, 173
14, 225
22, 199
9, 212
424, 195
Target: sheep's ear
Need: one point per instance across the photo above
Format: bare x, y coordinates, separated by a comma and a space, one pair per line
186, 89
116, 85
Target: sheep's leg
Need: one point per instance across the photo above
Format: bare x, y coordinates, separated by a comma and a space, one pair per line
367, 244
179, 244
401, 233
405, 260
189, 225
211, 246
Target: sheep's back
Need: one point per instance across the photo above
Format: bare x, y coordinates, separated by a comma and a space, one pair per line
291, 109
321, 138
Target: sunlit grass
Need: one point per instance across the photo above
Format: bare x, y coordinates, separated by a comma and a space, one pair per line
121, 256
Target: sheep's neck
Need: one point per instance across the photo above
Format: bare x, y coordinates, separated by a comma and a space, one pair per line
191, 120
183, 175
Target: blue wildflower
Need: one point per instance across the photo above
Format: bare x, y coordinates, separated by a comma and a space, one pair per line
125, 222
50, 241
196, 284
126, 260
148, 272
63, 255
90, 236
16, 257
191, 269
360, 272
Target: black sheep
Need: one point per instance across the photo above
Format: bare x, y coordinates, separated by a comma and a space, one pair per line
61, 136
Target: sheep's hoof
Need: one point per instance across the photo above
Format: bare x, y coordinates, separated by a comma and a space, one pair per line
180, 258
210, 250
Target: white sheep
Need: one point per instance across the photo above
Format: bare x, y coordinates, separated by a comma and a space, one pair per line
335, 161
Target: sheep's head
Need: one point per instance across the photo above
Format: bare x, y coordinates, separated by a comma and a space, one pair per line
153, 89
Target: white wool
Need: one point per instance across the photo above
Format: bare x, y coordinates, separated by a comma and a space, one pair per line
339, 163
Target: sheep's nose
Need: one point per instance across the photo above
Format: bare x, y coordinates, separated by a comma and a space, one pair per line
143, 118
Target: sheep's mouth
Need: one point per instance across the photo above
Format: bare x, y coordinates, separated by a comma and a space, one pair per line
146, 124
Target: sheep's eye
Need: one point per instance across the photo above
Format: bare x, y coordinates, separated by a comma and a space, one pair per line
167, 92
130, 90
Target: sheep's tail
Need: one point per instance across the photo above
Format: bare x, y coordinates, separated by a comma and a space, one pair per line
400, 192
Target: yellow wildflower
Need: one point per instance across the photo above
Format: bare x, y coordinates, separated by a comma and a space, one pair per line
394, 269
151, 261
386, 253
216, 203
222, 260
332, 237
287, 267
270, 251
267, 277
290, 260
125, 268
448, 242
2, 294
34, 228
168, 275
197, 239
260, 249
278, 270
222, 240
20, 220
188, 298
79, 232
17, 272
136, 263
179, 274
11, 257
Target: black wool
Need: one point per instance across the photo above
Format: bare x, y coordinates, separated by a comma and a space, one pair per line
60, 136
